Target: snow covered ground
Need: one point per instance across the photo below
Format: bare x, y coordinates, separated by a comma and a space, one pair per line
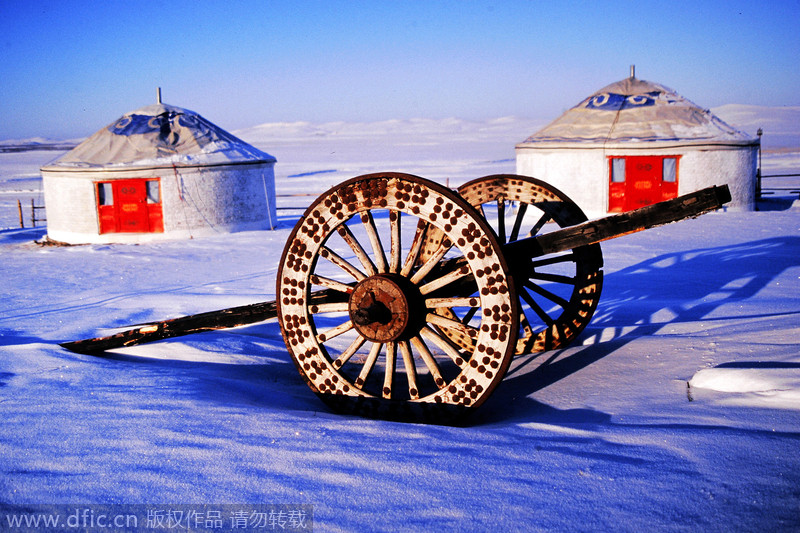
678, 409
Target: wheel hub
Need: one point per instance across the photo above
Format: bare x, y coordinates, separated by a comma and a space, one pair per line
381, 308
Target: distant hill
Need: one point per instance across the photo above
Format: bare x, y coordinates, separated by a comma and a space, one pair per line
780, 125
37, 143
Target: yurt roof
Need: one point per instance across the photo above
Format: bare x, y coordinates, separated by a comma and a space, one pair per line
635, 111
158, 136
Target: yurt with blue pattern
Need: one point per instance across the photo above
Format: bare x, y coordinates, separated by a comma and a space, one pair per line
159, 172
635, 143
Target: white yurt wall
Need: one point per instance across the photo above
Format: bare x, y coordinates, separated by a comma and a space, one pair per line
68, 215
573, 171
208, 200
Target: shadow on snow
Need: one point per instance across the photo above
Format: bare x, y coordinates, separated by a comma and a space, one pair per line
686, 287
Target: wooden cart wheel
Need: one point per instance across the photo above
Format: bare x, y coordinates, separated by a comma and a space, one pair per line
355, 305
558, 293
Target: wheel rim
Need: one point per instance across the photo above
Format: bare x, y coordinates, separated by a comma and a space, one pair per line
372, 332
558, 293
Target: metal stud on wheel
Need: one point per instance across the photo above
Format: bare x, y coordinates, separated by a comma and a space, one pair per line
558, 293
356, 305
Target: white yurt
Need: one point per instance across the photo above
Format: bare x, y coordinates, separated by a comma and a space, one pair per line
159, 172
634, 143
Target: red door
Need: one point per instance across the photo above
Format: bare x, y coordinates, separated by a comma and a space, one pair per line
130, 206
643, 182
638, 181
131, 200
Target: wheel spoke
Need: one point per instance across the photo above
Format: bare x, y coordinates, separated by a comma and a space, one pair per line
448, 323
375, 240
556, 278
396, 245
566, 258
388, 377
536, 307
469, 314
416, 247
432, 261
348, 353
521, 209
501, 218
411, 370
547, 294
430, 362
335, 307
368, 364
472, 301
331, 284
339, 261
550, 337
335, 332
524, 325
544, 219
445, 345
352, 242
444, 280
527, 339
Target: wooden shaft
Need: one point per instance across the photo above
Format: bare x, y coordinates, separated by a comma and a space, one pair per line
594, 231
185, 325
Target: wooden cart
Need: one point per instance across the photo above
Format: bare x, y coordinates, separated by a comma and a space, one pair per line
400, 298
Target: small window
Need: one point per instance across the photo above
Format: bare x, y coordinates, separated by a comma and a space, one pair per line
153, 192
669, 169
105, 195
617, 170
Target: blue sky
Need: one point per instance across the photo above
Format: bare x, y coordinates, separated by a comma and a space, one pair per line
68, 68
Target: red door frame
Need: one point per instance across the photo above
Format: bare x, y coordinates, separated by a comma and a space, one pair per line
641, 180
130, 206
